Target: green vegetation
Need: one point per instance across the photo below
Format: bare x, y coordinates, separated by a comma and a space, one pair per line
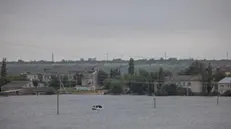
35, 83
3, 77
101, 77
140, 83
131, 69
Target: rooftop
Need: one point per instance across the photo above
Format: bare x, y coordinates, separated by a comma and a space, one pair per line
225, 80
16, 84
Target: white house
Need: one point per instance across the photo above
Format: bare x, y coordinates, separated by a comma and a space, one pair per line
224, 84
32, 77
186, 81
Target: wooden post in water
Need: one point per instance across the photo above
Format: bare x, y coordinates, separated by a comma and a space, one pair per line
57, 102
154, 100
217, 99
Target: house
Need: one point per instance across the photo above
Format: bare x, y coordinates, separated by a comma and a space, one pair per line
88, 80
186, 81
32, 77
15, 85
25, 87
224, 85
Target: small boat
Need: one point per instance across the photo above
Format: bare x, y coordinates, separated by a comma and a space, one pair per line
97, 107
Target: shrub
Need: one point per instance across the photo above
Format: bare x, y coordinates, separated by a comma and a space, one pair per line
161, 93
227, 93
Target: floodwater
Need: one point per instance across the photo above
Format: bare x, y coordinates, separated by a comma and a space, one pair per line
120, 112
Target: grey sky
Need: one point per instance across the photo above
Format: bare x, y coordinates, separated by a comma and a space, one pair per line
33, 29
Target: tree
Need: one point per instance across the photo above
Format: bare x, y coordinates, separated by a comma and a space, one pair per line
210, 78
138, 84
3, 79
161, 77
116, 87
101, 77
3, 68
35, 82
55, 83
106, 84
65, 80
171, 89
20, 61
78, 77
131, 68
115, 73
219, 75
40, 77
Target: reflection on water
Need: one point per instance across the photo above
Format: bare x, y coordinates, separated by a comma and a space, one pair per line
120, 112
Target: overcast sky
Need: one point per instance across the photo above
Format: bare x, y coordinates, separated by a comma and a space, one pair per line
71, 29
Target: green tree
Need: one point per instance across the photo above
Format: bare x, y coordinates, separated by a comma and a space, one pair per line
116, 87
107, 84
101, 77
138, 84
54, 82
40, 77
65, 81
210, 78
160, 77
3, 68
171, 89
131, 68
3, 72
35, 83
114, 73
218, 75
78, 77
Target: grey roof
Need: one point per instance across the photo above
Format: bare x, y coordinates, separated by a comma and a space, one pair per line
15, 84
225, 80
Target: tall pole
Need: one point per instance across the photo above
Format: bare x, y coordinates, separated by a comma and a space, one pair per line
58, 94
107, 56
165, 56
187, 90
227, 55
154, 100
57, 102
218, 93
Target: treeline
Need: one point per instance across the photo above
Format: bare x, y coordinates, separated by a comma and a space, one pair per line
138, 61
140, 83
144, 82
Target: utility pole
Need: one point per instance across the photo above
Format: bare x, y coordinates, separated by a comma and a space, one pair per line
107, 56
165, 56
58, 95
52, 57
227, 55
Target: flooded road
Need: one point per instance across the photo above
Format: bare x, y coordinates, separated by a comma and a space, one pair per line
120, 112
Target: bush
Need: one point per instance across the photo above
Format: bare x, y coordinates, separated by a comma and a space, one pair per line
214, 93
161, 93
227, 93
116, 87
170, 89
181, 91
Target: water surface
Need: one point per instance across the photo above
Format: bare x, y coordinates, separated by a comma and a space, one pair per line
120, 112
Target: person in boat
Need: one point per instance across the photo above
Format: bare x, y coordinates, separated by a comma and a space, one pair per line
95, 107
